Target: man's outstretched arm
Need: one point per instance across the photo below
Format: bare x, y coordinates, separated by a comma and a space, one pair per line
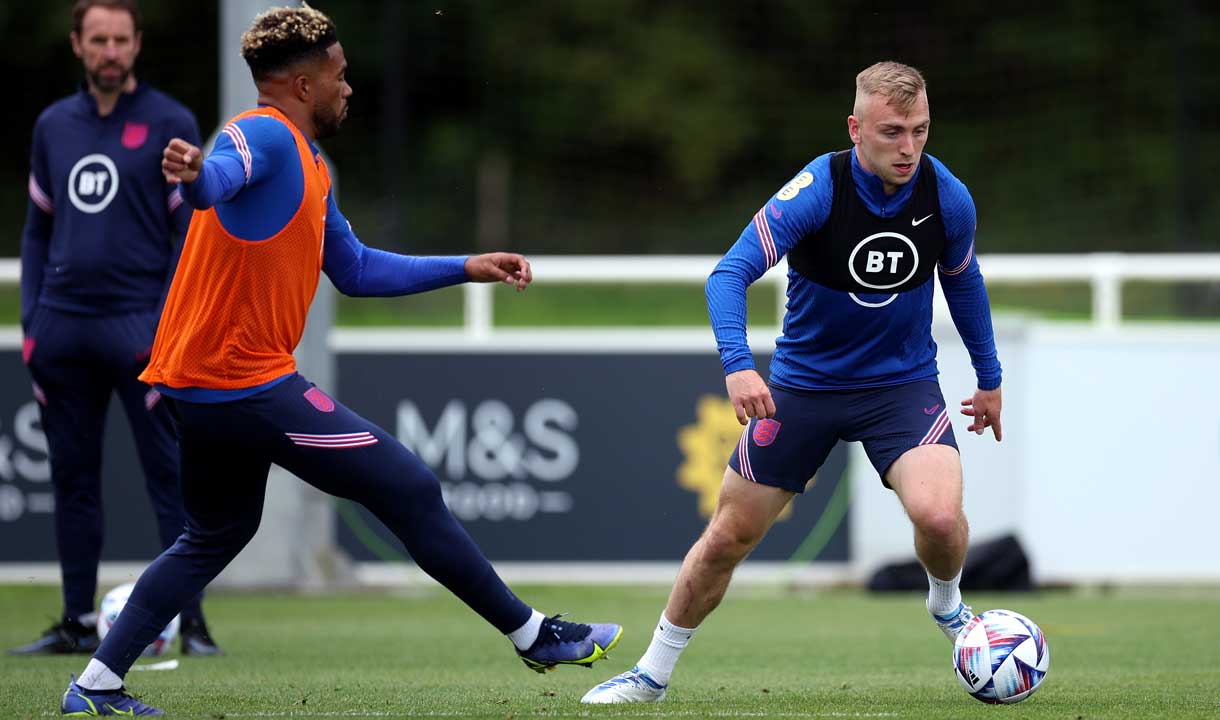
360, 271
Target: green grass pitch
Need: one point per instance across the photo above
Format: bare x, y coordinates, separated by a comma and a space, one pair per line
767, 652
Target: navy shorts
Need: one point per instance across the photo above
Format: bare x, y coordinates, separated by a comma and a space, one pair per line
786, 451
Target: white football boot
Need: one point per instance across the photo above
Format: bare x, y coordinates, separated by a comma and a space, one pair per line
633, 686
953, 623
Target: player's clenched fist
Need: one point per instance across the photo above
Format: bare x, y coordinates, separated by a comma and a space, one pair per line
750, 395
181, 162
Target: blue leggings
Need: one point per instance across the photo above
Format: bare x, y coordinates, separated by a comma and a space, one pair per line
227, 450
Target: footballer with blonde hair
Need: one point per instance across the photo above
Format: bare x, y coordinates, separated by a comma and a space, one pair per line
864, 230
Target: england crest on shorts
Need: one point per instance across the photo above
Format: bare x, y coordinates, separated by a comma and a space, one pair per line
320, 400
765, 431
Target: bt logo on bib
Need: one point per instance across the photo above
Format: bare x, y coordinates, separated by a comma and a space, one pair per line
93, 183
883, 261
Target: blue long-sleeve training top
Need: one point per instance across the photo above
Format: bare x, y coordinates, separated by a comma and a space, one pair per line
254, 180
836, 339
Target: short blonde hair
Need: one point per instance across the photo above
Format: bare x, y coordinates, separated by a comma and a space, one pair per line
900, 84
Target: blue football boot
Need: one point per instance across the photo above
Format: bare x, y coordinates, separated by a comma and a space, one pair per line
567, 643
80, 702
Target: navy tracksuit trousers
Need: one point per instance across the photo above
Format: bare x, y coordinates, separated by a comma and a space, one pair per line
77, 362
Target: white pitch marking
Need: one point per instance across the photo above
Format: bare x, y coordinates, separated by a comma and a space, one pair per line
163, 665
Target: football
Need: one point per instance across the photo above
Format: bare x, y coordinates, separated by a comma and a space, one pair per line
1001, 657
112, 605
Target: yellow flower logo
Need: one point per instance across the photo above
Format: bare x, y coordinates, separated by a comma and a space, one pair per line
707, 445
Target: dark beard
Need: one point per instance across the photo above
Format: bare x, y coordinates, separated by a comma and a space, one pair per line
326, 122
105, 84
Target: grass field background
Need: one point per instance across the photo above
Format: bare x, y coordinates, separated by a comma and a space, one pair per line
768, 652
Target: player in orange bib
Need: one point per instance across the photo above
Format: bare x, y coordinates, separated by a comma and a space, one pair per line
265, 226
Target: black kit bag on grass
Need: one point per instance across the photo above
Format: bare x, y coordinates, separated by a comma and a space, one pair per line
999, 564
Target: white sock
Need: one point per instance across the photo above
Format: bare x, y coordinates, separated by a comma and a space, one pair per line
99, 677
944, 595
668, 642
524, 636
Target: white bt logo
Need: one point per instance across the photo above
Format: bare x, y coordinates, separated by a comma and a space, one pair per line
889, 254
876, 261
93, 183
887, 260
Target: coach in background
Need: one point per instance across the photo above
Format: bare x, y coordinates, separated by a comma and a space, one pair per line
99, 248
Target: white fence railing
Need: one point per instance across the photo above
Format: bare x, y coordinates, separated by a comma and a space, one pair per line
1104, 272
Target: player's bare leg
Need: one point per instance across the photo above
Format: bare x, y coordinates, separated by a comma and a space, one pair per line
928, 481
744, 513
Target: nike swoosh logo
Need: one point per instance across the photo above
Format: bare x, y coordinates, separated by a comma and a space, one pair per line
929, 411
915, 223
